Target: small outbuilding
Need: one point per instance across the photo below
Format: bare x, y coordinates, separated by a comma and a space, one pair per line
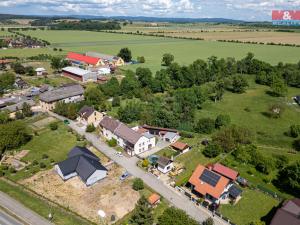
154, 199
181, 147
164, 164
40, 71
171, 137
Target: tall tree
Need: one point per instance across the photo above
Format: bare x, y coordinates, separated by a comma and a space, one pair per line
279, 87
239, 84
167, 59
7, 81
144, 76
142, 214
125, 54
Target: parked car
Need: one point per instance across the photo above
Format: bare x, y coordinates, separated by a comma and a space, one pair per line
119, 154
124, 175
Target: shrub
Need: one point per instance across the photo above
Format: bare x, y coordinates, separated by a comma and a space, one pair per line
212, 150
222, 120
42, 165
145, 163
186, 134
90, 128
295, 131
1, 173
53, 126
141, 59
112, 142
35, 162
275, 111
116, 101
138, 184
12, 170
205, 125
296, 144
45, 156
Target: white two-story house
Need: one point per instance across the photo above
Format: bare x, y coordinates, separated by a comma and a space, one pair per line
130, 140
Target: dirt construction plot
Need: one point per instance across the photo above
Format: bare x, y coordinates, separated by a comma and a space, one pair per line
110, 194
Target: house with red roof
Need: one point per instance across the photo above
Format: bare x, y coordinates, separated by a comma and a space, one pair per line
225, 171
212, 186
84, 61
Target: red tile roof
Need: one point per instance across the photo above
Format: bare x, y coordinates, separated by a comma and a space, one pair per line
225, 171
180, 145
83, 58
154, 198
205, 188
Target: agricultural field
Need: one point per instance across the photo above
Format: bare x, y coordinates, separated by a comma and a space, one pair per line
217, 32
152, 48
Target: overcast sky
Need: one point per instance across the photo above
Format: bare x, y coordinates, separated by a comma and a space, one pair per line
234, 9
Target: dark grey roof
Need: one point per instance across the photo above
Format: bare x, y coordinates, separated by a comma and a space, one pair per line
164, 161
77, 150
234, 191
69, 165
18, 106
86, 111
102, 56
109, 123
127, 134
81, 161
62, 93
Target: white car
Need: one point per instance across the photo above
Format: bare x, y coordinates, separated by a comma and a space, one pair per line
119, 154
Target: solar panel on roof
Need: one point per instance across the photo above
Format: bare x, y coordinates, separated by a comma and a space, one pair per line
209, 177
234, 191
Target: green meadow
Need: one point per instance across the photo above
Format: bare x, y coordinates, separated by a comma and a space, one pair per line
152, 48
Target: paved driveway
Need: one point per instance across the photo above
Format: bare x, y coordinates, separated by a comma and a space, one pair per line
175, 198
159, 146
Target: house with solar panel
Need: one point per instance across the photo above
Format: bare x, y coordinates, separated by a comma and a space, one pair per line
215, 185
83, 163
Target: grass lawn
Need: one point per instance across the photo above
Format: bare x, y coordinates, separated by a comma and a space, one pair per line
268, 131
152, 48
39, 206
56, 144
251, 207
167, 152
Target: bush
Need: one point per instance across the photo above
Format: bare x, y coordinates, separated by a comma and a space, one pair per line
45, 156
296, 144
145, 163
35, 162
42, 165
116, 101
53, 126
138, 184
205, 125
141, 59
275, 111
12, 170
212, 150
222, 120
186, 134
112, 142
294, 131
90, 128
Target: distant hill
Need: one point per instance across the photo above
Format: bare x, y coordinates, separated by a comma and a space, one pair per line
131, 18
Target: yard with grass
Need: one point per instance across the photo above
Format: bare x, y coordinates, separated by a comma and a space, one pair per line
152, 48
53, 80
252, 207
46, 147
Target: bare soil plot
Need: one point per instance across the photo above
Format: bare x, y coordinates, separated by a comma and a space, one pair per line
110, 195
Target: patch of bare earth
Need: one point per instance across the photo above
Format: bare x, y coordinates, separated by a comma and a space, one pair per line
110, 194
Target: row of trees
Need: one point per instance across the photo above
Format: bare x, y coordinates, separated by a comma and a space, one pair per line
143, 215
85, 25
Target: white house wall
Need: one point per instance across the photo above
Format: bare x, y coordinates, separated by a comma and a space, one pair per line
96, 176
67, 177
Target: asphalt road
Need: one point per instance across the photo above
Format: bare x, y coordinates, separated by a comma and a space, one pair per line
21, 211
6, 219
175, 198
